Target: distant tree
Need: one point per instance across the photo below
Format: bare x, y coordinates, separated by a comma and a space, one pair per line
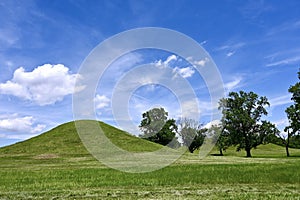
156, 126
241, 119
188, 130
198, 140
191, 133
219, 138
293, 115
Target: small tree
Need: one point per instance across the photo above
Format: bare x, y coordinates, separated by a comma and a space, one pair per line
219, 138
156, 126
198, 140
241, 119
191, 133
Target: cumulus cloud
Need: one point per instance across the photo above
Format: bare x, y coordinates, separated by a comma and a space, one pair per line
25, 125
184, 72
167, 62
200, 63
101, 101
44, 85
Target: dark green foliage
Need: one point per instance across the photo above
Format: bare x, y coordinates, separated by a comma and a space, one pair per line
156, 127
293, 115
198, 140
295, 90
191, 133
220, 138
293, 111
241, 120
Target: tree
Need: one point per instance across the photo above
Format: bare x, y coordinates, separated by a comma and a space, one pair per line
219, 138
198, 140
191, 133
241, 119
295, 90
156, 126
293, 115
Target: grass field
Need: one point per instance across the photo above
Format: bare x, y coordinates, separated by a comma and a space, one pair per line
55, 165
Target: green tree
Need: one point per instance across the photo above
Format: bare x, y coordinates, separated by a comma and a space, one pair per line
191, 133
156, 127
198, 140
293, 115
241, 119
219, 138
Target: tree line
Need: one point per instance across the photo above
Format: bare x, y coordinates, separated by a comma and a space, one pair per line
242, 125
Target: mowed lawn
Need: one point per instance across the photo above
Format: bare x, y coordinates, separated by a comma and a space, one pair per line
59, 174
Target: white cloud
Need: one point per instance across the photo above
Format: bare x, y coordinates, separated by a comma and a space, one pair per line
101, 101
201, 62
45, 85
284, 61
166, 63
212, 123
233, 84
23, 125
231, 53
169, 59
184, 72
282, 122
231, 49
287, 26
203, 42
231, 46
281, 100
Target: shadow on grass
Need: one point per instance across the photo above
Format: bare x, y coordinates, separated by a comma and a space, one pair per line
216, 154
294, 156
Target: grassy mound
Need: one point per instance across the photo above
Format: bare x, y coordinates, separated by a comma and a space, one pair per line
64, 141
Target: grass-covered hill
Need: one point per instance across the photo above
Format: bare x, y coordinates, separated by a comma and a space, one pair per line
64, 141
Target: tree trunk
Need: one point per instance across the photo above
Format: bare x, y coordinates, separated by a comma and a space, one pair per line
287, 145
287, 150
221, 152
248, 150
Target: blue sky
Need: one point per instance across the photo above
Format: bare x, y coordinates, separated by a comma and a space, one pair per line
255, 45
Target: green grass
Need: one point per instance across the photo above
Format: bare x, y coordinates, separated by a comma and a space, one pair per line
55, 165
64, 140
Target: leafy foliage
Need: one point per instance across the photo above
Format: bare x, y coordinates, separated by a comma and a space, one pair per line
156, 127
293, 111
293, 114
191, 133
242, 114
198, 139
220, 138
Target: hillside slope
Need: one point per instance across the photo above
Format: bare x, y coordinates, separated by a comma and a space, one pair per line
64, 141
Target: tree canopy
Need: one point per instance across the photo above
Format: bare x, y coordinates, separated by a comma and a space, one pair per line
219, 138
241, 119
156, 126
192, 134
293, 114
